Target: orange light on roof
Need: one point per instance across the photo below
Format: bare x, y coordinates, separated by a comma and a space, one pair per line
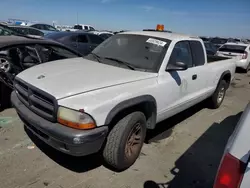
160, 27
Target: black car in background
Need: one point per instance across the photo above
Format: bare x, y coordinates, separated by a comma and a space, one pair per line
83, 42
6, 31
205, 39
26, 30
20, 53
210, 48
218, 42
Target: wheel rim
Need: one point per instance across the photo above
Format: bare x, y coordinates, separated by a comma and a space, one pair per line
221, 95
4, 64
133, 144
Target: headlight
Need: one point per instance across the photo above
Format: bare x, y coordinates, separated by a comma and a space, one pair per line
75, 119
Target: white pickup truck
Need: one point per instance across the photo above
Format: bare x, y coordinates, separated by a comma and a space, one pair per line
106, 100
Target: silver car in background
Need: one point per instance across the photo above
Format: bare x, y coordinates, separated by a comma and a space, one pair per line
234, 168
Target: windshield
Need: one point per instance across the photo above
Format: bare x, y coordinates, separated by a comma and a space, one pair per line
5, 30
142, 52
233, 48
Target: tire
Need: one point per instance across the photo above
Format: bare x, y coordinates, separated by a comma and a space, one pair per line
4, 60
219, 95
5, 93
120, 152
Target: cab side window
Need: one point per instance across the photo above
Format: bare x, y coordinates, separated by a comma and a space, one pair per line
197, 53
182, 53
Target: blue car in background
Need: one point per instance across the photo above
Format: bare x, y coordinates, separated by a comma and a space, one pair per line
45, 28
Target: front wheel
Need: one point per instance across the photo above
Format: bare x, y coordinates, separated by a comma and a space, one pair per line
125, 141
5, 93
5, 64
219, 95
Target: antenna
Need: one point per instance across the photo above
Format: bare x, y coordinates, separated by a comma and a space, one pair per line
77, 18
77, 26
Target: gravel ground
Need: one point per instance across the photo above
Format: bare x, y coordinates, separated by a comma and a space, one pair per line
184, 151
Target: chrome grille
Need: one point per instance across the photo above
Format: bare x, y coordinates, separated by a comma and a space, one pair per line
36, 100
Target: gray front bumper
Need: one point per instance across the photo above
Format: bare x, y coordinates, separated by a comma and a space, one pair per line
65, 139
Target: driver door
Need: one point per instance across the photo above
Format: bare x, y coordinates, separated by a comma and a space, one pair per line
179, 85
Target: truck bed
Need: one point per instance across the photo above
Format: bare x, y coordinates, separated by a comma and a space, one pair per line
212, 58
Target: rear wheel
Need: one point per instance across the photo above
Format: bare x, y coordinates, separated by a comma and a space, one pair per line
125, 141
219, 95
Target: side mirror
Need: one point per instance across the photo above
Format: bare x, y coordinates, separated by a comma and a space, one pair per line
178, 66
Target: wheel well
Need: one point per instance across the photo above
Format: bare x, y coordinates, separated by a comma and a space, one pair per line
227, 78
148, 108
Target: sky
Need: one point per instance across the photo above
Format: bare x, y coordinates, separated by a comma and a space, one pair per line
226, 18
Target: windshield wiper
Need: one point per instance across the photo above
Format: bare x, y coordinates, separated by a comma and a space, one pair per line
121, 62
97, 57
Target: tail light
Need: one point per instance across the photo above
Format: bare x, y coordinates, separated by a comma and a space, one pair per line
244, 56
230, 172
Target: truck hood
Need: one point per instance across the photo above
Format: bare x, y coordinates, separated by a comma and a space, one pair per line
64, 78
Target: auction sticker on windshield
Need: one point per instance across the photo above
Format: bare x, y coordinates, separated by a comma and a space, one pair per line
156, 42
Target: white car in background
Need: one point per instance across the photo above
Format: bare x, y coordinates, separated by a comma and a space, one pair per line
239, 51
78, 27
234, 167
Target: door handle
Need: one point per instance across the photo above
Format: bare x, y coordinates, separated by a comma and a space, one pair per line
194, 77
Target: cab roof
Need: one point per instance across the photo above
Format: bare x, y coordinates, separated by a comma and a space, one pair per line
166, 35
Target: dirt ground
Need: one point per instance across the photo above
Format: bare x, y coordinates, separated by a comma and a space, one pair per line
184, 151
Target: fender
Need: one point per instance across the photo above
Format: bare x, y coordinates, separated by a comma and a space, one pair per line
132, 102
222, 76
